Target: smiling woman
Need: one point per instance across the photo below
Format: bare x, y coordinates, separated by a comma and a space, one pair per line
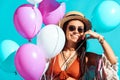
73, 62
7, 29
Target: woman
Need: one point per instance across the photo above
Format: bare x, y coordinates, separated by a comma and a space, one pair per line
73, 62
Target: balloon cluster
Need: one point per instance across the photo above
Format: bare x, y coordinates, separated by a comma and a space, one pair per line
31, 59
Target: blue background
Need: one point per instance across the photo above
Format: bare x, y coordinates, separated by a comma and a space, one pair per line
8, 31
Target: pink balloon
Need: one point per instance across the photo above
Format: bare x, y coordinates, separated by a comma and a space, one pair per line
48, 5
28, 20
53, 12
30, 61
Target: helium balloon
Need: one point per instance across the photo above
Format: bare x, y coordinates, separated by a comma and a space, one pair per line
8, 50
55, 16
53, 12
8, 64
27, 20
51, 5
106, 16
52, 39
30, 61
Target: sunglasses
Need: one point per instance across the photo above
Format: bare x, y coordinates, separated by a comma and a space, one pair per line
73, 28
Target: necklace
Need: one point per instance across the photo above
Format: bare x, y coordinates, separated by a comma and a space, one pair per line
67, 61
64, 65
65, 58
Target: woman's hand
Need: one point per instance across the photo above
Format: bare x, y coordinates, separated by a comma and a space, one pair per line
106, 47
92, 34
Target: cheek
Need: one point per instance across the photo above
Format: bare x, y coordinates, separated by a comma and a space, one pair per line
81, 34
67, 35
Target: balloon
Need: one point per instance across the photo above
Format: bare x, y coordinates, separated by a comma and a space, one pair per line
8, 50
106, 16
52, 39
30, 61
8, 64
27, 20
53, 12
34, 1
55, 16
51, 5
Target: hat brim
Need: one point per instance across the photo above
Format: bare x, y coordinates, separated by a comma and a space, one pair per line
84, 20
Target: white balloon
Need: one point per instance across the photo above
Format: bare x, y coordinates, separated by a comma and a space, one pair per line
34, 1
52, 39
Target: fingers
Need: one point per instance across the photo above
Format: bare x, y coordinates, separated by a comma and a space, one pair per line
91, 34
83, 37
86, 34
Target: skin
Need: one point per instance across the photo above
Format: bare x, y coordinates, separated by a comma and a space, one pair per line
73, 37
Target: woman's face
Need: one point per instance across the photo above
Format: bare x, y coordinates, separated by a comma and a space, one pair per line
74, 31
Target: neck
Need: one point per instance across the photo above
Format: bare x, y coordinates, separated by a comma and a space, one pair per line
68, 51
70, 47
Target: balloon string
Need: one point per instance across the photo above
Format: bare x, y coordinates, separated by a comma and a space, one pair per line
15, 73
29, 40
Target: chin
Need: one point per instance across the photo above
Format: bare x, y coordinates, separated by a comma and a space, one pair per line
75, 41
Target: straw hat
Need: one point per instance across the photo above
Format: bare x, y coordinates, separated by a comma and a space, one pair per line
77, 16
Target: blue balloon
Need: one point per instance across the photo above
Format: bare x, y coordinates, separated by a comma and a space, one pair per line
106, 16
8, 64
8, 50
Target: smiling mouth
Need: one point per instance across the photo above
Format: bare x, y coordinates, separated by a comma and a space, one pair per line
75, 36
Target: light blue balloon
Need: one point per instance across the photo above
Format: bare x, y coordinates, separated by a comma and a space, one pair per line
8, 50
106, 16
8, 64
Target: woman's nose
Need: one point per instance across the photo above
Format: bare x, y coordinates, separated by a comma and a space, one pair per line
75, 31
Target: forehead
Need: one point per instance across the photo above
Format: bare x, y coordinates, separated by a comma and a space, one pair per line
76, 23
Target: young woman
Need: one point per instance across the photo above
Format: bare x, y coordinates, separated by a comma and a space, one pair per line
73, 62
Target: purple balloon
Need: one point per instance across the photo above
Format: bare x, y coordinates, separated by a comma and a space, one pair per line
47, 6
28, 20
30, 61
53, 12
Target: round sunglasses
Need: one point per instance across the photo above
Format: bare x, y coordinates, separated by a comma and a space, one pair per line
73, 28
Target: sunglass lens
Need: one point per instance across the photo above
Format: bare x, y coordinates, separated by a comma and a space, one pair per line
80, 30
71, 28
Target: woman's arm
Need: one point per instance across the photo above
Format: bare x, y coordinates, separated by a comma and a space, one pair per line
108, 50
106, 47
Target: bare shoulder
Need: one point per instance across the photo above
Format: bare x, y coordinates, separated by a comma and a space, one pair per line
92, 58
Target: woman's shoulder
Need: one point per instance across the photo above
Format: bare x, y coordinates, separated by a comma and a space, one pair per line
92, 54
92, 58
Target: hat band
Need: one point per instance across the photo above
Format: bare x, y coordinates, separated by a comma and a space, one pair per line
73, 15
